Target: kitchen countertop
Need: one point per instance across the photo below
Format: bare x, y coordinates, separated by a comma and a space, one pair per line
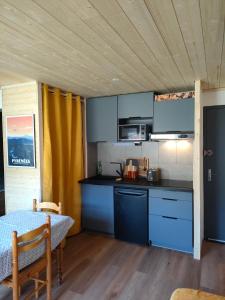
180, 185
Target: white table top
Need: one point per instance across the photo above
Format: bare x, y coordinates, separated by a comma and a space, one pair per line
23, 222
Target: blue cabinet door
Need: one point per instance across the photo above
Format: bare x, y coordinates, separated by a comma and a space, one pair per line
98, 208
101, 118
135, 105
171, 233
175, 115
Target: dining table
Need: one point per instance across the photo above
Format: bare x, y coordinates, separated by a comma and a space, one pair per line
24, 221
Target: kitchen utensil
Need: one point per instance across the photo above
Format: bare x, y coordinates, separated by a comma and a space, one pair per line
153, 175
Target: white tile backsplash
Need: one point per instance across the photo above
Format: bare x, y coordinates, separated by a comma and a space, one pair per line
168, 152
184, 153
151, 150
175, 158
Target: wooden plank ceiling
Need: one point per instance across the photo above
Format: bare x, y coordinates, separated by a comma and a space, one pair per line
106, 47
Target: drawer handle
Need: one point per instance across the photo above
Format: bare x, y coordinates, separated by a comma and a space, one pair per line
165, 217
131, 194
169, 199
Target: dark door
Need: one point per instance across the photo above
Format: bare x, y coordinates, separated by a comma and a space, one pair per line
214, 172
131, 215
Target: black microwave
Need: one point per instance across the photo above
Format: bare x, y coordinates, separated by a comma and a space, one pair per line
133, 132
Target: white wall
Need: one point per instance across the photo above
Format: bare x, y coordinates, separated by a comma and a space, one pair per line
22, 184
174, 158
0, 98
213, 97
198, 173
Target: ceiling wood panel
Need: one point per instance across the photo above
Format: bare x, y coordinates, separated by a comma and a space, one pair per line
140, 17
165, 19
98, 47
213, 14
189, 18
80, 28
83, 66
118, 20
7, 78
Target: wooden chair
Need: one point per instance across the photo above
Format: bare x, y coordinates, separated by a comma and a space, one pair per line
24, 243
58, 209
49, 206
190, 294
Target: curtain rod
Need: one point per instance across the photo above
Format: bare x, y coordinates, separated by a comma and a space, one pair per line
63, 93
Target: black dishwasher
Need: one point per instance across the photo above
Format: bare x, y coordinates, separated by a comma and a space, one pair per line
131, 215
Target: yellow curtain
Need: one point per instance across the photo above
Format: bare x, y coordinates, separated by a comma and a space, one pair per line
63, 153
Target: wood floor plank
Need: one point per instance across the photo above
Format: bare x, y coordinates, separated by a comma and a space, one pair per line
127, 269
98, 267
213, 268
134, 287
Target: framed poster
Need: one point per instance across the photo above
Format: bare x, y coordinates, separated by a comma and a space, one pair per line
20, 141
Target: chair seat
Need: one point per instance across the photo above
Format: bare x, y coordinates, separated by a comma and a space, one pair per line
189, 294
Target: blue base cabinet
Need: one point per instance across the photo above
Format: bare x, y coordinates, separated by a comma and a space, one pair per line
98, 208
170, 219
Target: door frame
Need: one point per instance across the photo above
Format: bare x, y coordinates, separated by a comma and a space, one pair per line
205, 109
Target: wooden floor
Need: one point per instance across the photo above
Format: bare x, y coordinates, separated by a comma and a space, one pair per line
99, 267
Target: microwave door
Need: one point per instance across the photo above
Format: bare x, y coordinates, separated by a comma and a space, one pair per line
129, 133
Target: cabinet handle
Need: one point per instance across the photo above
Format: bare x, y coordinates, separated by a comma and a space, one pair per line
165, 217
169, 199
131, 194
209, 175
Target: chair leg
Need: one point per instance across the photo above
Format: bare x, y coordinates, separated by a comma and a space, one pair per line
16, 287
36, 286
59, 262
49, 280
16, 292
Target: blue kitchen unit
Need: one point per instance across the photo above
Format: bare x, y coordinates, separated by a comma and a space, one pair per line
98, 208
102, 119
170, 219
138, 105
174, 116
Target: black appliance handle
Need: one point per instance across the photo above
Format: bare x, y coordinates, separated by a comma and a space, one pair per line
165, 217
130, 194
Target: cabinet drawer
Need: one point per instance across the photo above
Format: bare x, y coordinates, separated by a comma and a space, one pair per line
170, 233
175, 195
170, 208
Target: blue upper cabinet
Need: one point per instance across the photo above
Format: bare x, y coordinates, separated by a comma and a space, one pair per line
177, 115
135, 105
102, 119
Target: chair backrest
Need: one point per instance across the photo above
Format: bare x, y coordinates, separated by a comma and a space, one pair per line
29, 241
49, 206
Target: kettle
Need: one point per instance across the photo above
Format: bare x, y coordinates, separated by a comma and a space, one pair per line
153, 175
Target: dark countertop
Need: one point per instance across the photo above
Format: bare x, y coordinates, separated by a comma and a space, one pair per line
180, 185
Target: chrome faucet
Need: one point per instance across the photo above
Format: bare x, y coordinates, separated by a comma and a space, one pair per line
120, 173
